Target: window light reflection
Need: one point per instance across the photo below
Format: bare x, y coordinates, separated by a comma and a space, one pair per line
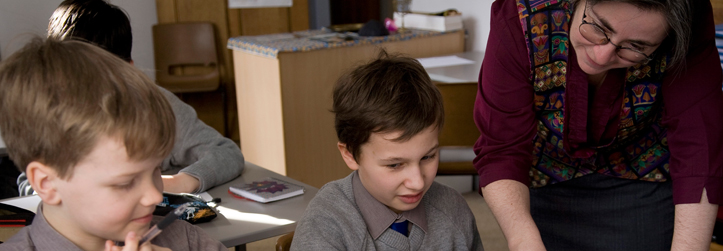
233, 214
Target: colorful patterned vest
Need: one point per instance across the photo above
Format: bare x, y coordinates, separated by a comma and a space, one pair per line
639, 150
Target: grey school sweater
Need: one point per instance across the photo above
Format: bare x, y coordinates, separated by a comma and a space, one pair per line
332, 221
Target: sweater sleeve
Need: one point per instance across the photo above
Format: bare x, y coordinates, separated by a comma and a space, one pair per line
694, 116
200, 151
327, 223
503, 109
181, 235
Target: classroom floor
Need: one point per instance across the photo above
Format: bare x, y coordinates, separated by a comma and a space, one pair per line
490, 232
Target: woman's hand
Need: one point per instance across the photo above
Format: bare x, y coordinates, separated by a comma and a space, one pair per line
132, 245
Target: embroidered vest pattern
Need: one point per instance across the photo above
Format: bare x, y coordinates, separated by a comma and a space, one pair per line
640, 149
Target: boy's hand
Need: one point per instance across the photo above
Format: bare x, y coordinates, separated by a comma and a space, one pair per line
132, 245
180, 183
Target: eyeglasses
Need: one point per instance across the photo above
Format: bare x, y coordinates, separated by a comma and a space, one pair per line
596, 35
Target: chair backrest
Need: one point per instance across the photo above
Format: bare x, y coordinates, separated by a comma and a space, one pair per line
283, 243
186, 56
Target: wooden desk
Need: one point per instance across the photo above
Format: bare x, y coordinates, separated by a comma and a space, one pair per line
239, 221
284, 101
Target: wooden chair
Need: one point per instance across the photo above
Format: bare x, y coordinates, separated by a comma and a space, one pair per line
284, 242
187, 59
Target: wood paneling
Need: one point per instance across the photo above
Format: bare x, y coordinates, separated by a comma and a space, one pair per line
264, 21
166, 11
299, 15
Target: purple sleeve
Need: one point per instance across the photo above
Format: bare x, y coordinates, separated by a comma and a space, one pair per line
504, 106
694, 116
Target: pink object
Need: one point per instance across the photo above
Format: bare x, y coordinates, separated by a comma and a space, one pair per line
390, 25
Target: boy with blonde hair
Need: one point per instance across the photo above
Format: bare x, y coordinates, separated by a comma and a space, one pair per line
388, 119
90, 131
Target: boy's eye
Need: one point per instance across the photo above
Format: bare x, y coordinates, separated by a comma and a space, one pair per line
126, 186
431, 156
393, 166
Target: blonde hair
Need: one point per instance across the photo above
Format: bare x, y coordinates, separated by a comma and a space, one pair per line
60, 97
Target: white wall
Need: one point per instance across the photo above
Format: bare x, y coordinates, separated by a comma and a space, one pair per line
21, 19
475, 14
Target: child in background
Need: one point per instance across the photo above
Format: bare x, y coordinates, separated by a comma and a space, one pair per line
388, 118
91, 132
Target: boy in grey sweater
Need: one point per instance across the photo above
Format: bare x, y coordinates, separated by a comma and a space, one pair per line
388, 119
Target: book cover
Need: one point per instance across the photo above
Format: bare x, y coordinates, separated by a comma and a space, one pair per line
267, 190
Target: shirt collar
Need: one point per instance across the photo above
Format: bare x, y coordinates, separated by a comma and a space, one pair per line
45, 237
377, 216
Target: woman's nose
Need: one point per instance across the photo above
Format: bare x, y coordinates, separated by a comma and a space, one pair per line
605, 53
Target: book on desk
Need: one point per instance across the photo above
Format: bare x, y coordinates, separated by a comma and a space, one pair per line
266, 190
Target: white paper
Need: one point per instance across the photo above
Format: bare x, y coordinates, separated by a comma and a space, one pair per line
239, 4
29, 203
445, 79
205, 196
443, 61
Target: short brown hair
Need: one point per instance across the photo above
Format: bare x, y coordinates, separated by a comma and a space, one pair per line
390, 93
60, 97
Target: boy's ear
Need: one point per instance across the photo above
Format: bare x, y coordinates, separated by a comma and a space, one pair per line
347, 156
43, 180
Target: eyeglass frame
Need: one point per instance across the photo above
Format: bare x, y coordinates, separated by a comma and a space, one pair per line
645, 60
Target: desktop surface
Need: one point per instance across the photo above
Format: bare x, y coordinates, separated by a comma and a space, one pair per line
242, 221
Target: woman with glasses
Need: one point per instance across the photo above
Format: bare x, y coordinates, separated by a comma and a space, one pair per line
611, 111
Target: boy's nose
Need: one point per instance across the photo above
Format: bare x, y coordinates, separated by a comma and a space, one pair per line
152, 195
415, 179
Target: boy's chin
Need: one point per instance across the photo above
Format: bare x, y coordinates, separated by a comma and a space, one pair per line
403, 208
139, 230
